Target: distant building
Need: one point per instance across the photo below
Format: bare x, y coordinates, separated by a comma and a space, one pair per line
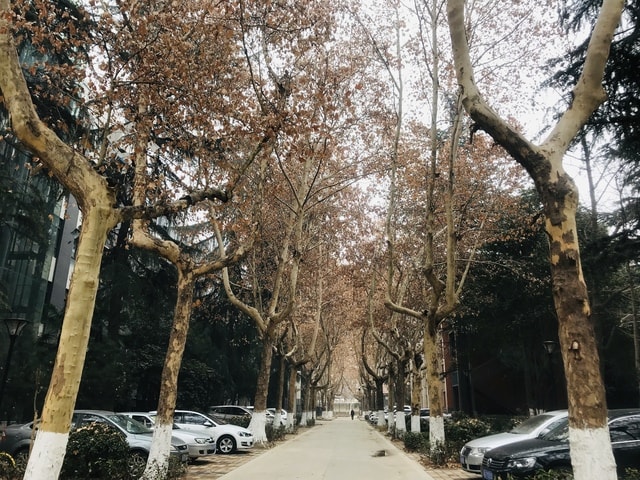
38, 223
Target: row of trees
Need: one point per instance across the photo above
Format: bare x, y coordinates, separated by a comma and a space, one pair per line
240, 167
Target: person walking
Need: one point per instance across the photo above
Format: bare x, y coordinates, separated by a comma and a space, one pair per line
352, 413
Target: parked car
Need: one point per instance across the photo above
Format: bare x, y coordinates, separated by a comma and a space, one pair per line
473, 452
228, 438
283, 414
270, 414
137, 435
373, 417
199, 444
229, 412
16, 439
550, 452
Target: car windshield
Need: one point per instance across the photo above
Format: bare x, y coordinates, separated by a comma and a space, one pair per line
128, 424
558, 434
530, 424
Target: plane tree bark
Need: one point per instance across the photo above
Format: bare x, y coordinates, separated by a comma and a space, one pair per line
588, 433
377, 374
84, 177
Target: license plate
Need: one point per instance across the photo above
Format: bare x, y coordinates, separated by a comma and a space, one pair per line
487, 474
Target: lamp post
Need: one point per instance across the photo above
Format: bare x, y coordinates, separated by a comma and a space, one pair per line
14, 325
549, 346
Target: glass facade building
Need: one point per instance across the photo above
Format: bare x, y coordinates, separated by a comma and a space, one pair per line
37, 221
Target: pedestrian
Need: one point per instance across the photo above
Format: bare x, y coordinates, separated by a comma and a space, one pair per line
352, 413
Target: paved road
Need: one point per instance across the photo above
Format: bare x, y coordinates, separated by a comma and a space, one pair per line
340, 449
349, 447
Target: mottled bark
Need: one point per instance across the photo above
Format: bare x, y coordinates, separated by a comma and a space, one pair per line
96, 201
262, 390
46, 457
590, 448
434, 386
158, 461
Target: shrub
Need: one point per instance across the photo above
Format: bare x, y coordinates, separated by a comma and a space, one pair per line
177, 469
416, 441
462, 429
241, 421
274, 433
96, 451
631, 474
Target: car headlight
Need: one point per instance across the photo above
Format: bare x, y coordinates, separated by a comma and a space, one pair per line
202, 440
521, 463
245, 434
479, 450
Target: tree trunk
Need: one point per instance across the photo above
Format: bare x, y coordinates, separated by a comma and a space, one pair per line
392, 394
45, 461
277, 421
293, 410
434, 386
158, 461
591, 453
416, 385
259, 418
380, 400
401, 424
585, 387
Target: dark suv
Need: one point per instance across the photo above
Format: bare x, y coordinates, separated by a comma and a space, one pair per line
551, 451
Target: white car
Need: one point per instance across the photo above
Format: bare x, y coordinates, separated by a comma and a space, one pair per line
228, 438
473, 452
269, 413
283, 414
199, 444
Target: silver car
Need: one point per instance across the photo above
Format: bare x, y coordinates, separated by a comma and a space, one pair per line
227, 413
199, 444
137, 435
473, 452
229, 438
16, 439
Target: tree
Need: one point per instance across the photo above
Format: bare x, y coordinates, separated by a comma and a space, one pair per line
588, 432
96, 199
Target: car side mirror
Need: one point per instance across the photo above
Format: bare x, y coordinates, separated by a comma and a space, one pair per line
207, 423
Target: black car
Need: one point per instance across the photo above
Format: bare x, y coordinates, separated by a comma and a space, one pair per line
551, 451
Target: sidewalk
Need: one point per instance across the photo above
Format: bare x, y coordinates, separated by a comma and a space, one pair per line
331, 450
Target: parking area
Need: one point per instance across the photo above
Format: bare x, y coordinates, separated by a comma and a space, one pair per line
215, 466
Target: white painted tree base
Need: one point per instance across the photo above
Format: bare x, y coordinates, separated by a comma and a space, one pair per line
381, 422
291, 418
415, 423
158, 461
258, 426
591, 455
47, 455
436, 430
401, 424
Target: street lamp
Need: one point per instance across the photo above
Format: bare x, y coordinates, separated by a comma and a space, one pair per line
14, 325
549, 346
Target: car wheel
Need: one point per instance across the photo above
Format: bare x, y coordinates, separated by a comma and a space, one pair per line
226, 444
137, 463
7, 463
